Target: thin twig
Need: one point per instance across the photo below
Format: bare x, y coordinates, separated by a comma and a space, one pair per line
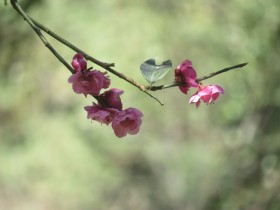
145, 91
70, 45
87, 56
220, 71
175, 84
41, 36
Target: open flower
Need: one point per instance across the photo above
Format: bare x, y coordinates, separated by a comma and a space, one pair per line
79, 63
185, 73
89, 82
126, 122
208, 94
111, 99
99, 114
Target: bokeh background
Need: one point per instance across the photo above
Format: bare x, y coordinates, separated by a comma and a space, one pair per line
216, 157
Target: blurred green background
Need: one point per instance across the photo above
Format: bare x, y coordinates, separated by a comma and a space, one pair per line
223, 156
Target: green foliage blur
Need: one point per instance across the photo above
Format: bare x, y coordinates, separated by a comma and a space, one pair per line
218, 157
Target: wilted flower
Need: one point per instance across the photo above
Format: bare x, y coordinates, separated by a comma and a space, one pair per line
185, 73
99, 114
89, 82
126, 122
209, 94
79, 63
111, 99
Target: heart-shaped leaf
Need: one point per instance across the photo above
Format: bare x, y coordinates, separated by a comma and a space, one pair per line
153, 72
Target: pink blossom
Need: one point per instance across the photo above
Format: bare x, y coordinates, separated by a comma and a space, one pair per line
111, 99
127, 122
209, 94
78, 62
89, 82
185, 73
100, 114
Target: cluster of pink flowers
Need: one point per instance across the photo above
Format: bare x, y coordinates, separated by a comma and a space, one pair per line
186, 74
108, 108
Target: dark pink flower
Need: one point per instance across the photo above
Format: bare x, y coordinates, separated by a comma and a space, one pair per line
89, 82
111, 99
126, 122
185, 73
99, 114
79, 63
209, 94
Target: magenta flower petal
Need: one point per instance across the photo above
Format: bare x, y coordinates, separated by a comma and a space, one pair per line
127, 122
217, 89
185, 73
206, 98
99, 114
191, 82
89, 82
79, 63
184, 89
195, 99
208, 94
111, 99
204, 91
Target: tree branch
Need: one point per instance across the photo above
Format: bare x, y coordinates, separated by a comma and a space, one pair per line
175, 84
70, 45
36, 26
88, 57
17, 7
220, 71
97, 62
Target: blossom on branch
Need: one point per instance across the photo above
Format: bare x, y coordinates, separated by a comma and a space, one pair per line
111, 99
126, 122
109, 109
78, 62
208, 94
100, 114
89, 82
185, 73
